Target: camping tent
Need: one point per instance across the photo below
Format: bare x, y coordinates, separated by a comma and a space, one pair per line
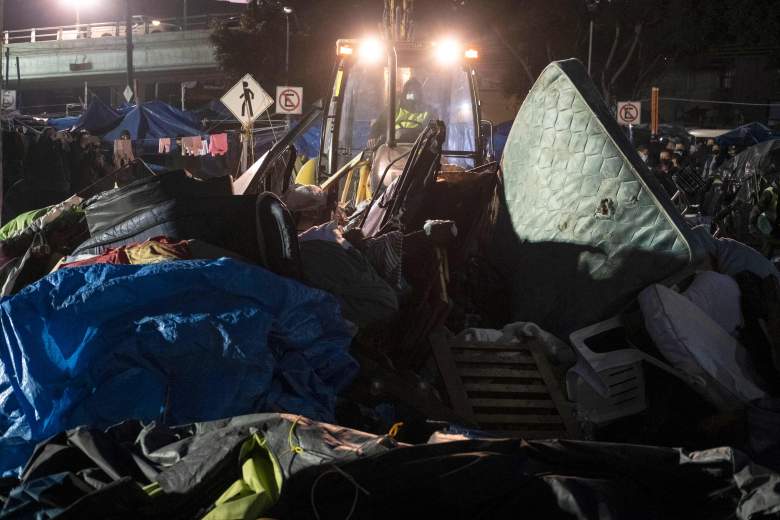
154, 120
99, 117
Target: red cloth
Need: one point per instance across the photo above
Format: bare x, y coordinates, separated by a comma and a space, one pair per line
219, 144
171, 250
112, 256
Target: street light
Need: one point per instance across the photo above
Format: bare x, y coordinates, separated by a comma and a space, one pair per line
287, 12
78, 5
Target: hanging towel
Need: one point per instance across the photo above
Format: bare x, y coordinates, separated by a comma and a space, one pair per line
219, 144
123, 152
191, 145
165, 145
204, 147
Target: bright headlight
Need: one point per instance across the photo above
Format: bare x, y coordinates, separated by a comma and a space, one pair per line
447, 51
371, 50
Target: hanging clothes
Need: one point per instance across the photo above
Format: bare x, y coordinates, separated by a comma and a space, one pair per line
219, 144
165, 145
191, 145
123, 152
204, 147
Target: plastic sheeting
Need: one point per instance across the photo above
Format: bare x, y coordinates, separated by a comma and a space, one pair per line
177, 342
154, 120
747, 135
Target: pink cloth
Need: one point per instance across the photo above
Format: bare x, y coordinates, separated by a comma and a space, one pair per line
165, 145
219, 144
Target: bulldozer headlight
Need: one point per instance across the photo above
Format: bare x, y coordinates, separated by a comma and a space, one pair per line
345, 50
447, 51
371, 50
471, 54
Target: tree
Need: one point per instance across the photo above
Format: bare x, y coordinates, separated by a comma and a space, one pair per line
257, 43
635, 41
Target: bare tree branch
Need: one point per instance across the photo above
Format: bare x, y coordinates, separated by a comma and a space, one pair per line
629, 54
608, 63
645, 73
515, 54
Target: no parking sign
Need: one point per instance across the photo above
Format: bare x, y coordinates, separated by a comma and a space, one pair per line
289, 100
629, 112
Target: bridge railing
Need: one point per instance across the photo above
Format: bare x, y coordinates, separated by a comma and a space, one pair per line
141, 25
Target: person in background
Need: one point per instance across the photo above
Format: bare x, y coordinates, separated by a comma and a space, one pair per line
711, 162
664, 173
644, 154
123, 150
87, 163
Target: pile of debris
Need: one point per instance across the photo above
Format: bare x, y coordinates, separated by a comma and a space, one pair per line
459, 316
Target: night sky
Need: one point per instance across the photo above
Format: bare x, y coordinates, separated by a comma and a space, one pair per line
23, 14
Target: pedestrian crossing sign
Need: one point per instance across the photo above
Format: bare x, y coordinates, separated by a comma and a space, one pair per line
247, 100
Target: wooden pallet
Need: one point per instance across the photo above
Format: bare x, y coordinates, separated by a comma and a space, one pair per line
505, 388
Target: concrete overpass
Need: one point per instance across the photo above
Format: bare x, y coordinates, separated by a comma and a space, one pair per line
95, 55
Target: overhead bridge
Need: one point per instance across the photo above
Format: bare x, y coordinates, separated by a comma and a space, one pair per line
69, 56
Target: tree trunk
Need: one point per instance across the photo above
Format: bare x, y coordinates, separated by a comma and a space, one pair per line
608, 64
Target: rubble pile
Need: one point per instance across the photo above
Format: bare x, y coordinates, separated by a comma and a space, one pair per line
546, 335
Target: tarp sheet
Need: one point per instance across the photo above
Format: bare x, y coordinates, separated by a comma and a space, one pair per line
331, 470
99, 117
177, 342
154, 120
755, 160
63, 123
747, 135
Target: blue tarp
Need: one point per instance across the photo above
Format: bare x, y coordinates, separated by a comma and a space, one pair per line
747, 135
500, 135
63, 123
176, 342
99, 117
308, 143
154, 120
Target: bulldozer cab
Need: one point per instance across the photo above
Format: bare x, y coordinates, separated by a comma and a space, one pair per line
385, 94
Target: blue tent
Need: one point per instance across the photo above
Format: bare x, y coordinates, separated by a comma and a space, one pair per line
154, 120
175, 342
99, 117
747, 135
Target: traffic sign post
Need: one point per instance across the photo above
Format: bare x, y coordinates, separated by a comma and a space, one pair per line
247, 101
289, 100
629, 112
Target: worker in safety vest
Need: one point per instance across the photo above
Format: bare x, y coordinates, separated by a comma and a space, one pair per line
413, 113
411, 118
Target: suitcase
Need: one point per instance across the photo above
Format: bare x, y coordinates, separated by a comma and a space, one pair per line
115, 206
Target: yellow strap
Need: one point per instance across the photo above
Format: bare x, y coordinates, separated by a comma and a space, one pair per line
395, 429
293, 448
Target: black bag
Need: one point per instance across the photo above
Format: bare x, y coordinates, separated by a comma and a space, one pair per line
116, 206
228, 221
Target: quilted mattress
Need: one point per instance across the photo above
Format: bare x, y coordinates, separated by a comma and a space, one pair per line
585, 226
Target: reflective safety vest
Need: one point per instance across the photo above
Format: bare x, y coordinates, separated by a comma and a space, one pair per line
409, 119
